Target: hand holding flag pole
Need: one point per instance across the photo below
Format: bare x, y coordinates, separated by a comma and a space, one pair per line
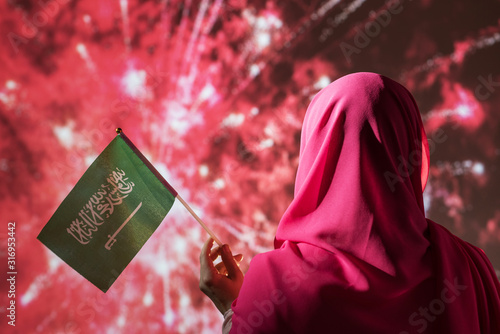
171, 189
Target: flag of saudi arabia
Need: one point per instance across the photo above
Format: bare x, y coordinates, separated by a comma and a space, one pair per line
110, 214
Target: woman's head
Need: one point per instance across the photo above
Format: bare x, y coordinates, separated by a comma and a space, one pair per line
362, 168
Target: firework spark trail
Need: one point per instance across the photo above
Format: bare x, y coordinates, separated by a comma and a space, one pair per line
165, 27
293, 39
351, 9
213, 17
194, 34
460, 53
339, 19
81, 49
167, 302
321, 11
201, 41
154, 260
126, 23
188, 55
179, 43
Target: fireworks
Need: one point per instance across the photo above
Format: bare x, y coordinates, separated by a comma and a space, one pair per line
214, 92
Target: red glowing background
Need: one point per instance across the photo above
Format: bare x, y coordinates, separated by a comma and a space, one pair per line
213, 93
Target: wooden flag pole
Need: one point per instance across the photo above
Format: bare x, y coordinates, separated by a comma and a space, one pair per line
199, 220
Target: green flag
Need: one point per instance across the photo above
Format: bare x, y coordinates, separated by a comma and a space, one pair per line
110, 213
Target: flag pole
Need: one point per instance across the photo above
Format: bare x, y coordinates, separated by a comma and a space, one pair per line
199, 220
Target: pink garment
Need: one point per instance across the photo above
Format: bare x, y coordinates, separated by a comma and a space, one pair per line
354, 251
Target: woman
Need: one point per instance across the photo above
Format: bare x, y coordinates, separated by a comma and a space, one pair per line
354, 252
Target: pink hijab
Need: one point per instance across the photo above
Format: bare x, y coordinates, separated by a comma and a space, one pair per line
354, 251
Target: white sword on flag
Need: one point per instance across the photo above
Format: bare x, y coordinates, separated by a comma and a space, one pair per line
112, 238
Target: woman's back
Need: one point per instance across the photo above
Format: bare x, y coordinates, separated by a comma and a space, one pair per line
354, 251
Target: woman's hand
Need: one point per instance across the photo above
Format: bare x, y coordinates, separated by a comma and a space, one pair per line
220, 283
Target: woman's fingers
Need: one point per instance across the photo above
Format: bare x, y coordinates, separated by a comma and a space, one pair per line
207, 246
206, 263
215, 253
209, 255
221, 268
233, 270
238, 257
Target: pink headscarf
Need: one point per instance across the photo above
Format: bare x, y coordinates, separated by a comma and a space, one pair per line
354, 251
